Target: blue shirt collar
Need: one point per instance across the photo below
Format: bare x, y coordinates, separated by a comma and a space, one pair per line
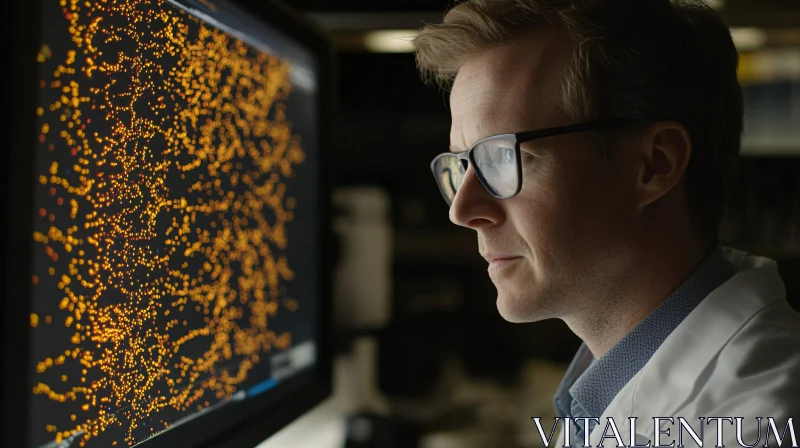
593, 384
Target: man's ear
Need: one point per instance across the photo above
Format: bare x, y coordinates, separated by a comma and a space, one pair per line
663, 156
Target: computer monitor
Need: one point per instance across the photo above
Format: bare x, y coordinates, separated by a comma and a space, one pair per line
168, 281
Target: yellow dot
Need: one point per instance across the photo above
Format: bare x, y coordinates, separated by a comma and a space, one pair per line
64, 378
34, 320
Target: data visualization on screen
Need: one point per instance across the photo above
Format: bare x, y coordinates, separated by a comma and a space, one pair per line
174, 217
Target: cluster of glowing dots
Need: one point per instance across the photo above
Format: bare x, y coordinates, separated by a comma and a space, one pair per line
167, 148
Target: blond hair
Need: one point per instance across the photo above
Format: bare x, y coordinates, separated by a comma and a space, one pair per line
476, 25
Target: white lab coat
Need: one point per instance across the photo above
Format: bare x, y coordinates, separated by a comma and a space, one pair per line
736, 355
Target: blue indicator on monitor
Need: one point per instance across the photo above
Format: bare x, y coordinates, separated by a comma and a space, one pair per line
262, 387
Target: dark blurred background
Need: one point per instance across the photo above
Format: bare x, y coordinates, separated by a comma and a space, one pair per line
425, 359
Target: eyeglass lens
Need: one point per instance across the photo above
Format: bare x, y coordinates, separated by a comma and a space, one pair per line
495, 161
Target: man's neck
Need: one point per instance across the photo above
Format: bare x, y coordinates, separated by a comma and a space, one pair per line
654, 275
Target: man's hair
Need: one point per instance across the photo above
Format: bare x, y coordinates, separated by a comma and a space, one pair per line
641, 60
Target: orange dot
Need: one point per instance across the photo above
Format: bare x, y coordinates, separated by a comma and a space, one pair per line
60, 201
35, 280
42, 212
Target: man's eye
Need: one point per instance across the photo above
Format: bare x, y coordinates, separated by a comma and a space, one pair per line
509, 155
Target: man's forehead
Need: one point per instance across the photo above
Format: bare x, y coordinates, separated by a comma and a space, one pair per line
484, 113
491, 73
507, 88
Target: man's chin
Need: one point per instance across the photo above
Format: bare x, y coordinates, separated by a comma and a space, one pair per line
512, 308
516, 308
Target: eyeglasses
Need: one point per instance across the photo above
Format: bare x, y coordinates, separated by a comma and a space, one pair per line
495, 160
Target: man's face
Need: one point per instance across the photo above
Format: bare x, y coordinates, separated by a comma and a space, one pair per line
563, 238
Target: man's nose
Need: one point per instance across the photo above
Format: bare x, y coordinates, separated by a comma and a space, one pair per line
473, 206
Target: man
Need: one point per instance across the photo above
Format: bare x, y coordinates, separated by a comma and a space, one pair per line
593, 144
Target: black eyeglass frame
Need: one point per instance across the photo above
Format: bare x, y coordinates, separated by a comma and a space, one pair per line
466, 157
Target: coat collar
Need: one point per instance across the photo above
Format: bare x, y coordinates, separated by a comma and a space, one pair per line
665, 384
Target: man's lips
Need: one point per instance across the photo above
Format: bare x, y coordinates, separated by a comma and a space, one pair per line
497, 261
492, 256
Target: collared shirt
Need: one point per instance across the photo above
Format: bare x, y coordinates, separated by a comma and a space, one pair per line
590, 385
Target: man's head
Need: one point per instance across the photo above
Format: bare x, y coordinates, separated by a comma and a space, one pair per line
591, 204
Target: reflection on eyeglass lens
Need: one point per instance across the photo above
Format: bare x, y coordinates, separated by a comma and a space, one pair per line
496, 161
446, 181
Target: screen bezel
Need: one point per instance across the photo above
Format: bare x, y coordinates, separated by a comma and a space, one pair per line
296, 395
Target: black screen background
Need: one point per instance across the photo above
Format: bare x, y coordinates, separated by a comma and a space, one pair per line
51, 339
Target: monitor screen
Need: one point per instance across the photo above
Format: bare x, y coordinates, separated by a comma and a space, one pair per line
175, 245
